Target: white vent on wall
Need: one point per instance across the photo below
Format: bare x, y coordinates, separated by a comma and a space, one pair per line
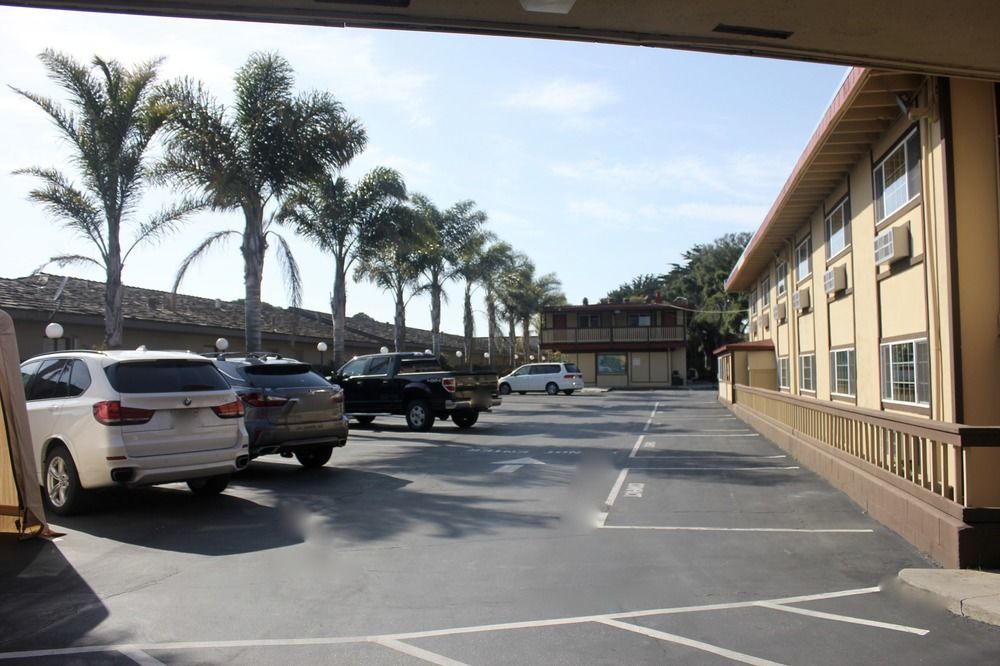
779, 312
892, 245
835, 280
800, 299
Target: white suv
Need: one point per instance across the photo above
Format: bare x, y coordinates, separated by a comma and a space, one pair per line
548, 377
130, 418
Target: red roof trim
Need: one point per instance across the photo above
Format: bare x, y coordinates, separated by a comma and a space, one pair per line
756, 345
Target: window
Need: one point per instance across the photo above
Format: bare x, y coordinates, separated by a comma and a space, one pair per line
77, 379
765, 292
838, 230
353, 367
640, 319
783, 378
589, 321
753, 302
612, 364
779, 277
905, 372
285, 375
807, 372
165, 376
897, 177
378, 366
47, 383
803, 259
842, 372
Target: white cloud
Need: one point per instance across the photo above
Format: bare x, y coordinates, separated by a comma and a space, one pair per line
562, 96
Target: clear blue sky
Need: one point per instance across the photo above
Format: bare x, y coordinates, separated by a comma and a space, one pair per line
599, 162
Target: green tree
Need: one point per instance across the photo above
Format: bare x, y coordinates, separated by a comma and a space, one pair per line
646, 286
510, 287
496, 262
256, 153
113, 115
345, 221
391, 264
469, 267
717, 317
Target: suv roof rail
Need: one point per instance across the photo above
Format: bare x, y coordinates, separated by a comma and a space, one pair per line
251, 356
71, 351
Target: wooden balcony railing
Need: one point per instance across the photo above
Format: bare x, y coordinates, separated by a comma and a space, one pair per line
613, 334
929, 454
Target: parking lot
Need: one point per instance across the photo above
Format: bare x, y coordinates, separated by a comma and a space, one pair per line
622, 527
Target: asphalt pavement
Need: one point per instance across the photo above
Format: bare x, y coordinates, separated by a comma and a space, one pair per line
621, 527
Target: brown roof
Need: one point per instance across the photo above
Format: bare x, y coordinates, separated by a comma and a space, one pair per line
756, 345
862, 110
49, 294
604, 307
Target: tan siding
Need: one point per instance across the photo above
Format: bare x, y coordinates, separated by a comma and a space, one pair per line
903, 297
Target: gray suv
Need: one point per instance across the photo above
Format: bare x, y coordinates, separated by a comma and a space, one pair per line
290, 410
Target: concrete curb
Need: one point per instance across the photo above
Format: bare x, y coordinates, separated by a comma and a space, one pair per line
971, 594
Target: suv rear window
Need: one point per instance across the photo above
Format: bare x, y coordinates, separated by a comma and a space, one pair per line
165, 376
419, 365
285, 375
571, 367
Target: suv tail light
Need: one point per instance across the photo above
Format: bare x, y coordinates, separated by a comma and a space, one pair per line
569, 376
337, 397
111, 413
263, 399
230, 410
449, 384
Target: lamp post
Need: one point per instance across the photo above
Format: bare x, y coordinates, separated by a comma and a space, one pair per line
222, 344
383, 349
321, 346
54, 332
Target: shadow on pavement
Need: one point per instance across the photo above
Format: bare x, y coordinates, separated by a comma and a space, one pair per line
42, 592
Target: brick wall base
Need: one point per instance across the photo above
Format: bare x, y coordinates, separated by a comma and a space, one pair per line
965, 538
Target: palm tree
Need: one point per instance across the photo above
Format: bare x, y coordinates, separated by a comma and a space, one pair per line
538, 293
114, 115
393, 265
448, 233
242, 159
494, 264
469, 266
510, 288
344, 220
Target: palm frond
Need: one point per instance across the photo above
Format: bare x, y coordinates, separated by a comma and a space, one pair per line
75, 209
192, 258
165, 222
64, 260
289, 270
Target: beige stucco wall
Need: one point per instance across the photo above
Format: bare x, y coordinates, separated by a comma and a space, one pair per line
976, 220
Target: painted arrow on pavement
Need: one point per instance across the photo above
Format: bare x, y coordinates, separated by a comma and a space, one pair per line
509, 466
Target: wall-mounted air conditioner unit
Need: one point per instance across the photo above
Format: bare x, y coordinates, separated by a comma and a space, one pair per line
835, 279
892, 245
779, 312
800, 299
765, 320
753, 328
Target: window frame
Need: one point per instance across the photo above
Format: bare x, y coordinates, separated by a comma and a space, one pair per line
911, 164
780, 276
765, 292
807, 243
921, 382
843, 207
811, 356
753, 302
852, 372
784, 372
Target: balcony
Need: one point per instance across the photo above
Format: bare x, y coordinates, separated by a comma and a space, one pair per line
614, 334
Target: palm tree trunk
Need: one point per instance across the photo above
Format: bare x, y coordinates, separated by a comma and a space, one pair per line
253, 249
491, 324
113, 292
338, 309
436, 314
512, 339
526, 337
468, 322
400, 323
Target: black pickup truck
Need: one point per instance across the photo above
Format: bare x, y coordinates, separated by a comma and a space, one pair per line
417, 386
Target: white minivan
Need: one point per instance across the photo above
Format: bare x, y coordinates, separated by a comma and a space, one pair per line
548, 377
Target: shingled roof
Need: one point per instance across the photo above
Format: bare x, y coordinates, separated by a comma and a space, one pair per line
47, 293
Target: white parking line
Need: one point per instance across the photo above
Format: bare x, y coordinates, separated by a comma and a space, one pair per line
679, 528
843, 618
419, 653
612, 496
635, 448
140, 657
697, 645
347, 640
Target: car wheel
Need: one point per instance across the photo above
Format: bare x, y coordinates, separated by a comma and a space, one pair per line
465, 419
569, 391
505, 389
365, 420
419, 416
314, 457
63, 492
210, 485
552, 388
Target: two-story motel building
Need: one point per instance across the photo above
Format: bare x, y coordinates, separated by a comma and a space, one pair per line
874, 285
